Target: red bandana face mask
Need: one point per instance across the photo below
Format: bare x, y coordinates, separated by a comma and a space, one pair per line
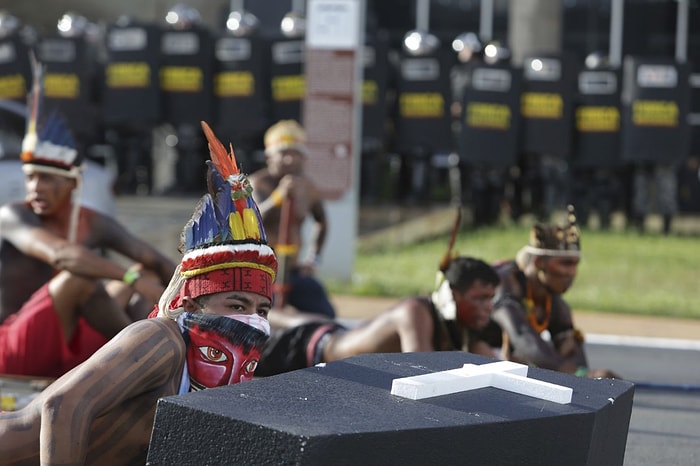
221, 350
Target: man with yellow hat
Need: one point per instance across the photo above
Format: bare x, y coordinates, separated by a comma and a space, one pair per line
287, 197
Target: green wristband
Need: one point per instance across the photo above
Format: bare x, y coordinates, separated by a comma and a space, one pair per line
130, 276
582, 371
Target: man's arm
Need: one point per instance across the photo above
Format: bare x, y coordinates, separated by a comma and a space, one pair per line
318, 213
121, 240
566, 338
21, 228
414, 325
528, 346
145, 356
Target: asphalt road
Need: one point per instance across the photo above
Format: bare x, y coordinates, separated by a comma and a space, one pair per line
665, 422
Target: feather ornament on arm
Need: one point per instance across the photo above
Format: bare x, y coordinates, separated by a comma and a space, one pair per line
449, 255
447, 258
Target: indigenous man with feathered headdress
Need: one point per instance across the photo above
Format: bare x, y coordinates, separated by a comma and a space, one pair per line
536, 322
207, 331
60, 297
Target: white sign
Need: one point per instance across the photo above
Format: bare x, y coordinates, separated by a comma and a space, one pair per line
332, 24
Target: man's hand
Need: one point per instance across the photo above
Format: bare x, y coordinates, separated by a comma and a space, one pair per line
148, 285
296, 187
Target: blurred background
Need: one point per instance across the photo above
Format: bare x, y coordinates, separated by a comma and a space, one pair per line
507, 107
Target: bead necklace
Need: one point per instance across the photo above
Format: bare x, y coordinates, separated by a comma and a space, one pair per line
530, 311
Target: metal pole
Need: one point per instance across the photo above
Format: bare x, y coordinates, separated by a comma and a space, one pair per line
682, 31
299, 6
422, 15
617, 19
486, 20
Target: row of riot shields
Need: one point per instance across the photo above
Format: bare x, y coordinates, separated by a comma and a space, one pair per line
147, 74
144, 75
141, 75
591, 118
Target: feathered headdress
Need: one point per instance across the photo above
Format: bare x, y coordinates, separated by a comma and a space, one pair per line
224, 242
48, 145
442, 296
555, 240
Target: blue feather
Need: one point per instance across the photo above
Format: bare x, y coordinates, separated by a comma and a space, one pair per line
55, 130
220, 191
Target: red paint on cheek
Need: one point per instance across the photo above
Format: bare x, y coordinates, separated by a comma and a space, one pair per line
214, 361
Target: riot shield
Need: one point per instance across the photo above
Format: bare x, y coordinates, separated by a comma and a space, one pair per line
597, 119
242, 97
490, 119
287, 82
15, 72
374, 114
186, 73
695, 111
374, 90
546, 105
423, 98
131, 91
70, 83
655, 104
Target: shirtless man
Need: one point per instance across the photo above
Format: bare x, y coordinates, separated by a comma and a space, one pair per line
283, 189
535, 323
450, 320
60, 299
209, 331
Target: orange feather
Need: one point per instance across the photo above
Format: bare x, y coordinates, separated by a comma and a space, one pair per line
225, 162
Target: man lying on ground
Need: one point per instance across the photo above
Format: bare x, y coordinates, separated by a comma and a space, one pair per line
450, 319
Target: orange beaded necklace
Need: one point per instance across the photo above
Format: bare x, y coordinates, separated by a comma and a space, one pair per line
530, 311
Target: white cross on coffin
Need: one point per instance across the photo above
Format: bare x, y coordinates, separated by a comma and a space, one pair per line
505, 375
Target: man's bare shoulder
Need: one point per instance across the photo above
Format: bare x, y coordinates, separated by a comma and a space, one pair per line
17, 213
158, 327
144, 336
417, 305
150, 351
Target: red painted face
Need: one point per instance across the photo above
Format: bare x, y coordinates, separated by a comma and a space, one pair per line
474, 306
221, 350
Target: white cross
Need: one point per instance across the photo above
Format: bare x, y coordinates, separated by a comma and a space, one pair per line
505, 375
